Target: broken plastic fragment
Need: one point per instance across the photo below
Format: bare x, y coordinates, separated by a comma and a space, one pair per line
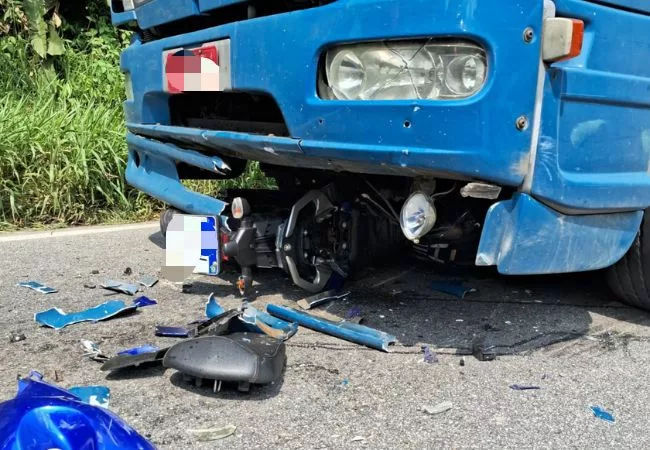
50, 417
38, 287
454, 288
519, 387
144, 301
172, 331
213, 434
16, 337
93, 351
268, 324
213, 308
57, 319
430, 356
352, 332
353, 313
438, 409
148, 281
319, 299
118, 286
603, 414
93, 395
146, 348
127, 360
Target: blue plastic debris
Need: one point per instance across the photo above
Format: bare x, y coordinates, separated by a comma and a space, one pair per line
603, 414
46, 416
520, 387
38, 287
146, 348
319, 299
454, 288
144, 301
172, 331
93, 395
213, 308
353, 313
352, 332
268, 324
430, 356
57, 319
119, 286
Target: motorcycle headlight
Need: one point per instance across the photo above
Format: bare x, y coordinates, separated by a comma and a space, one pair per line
399, 70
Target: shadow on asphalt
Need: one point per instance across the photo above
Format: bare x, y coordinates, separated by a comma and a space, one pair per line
510, 315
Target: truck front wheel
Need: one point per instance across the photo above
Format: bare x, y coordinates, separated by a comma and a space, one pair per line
630, 277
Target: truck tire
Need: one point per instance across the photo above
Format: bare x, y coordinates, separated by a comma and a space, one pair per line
165, 219
630, 277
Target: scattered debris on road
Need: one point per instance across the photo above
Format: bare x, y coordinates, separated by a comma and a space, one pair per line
462, 361
430, 356
57, 318
352, 332
353, 313
141, 360
93, 395
143, 301
119, 286
452, 287
603, 414
269, 325
141, 350
437, 409
482, 351
321, 299
148, 281
93, 351
128, 271
213, 434
38, 287
165, 331
213, 308
521, 387
357, 439
90, 285
16, 337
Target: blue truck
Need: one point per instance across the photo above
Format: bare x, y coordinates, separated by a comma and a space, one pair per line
470, 132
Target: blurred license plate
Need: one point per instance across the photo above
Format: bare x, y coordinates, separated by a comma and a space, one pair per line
205, 68
193, 241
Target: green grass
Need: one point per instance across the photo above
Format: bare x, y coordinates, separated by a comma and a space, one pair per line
62, 141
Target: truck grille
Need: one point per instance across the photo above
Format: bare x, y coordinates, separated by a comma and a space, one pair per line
228, 111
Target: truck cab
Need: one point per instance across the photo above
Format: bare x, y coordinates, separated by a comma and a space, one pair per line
506, 134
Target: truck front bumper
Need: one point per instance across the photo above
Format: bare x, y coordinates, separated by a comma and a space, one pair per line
279, 55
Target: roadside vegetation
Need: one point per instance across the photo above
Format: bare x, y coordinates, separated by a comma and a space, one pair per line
62, 145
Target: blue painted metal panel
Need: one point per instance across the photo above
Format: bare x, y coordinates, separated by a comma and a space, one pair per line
594, 147
157, 176
206, 5
158, 12
522, 236
122, 18
473, 138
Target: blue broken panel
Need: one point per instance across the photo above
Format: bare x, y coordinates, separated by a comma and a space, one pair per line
164, 331
57, 319
93, 395
144, 301
213, 308
141, 350
38, 287
269, 325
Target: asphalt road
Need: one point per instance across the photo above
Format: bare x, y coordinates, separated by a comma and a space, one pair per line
566, 335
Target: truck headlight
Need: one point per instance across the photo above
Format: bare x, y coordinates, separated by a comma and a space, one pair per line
399, 70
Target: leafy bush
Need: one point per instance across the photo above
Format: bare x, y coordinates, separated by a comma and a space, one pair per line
62, 145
